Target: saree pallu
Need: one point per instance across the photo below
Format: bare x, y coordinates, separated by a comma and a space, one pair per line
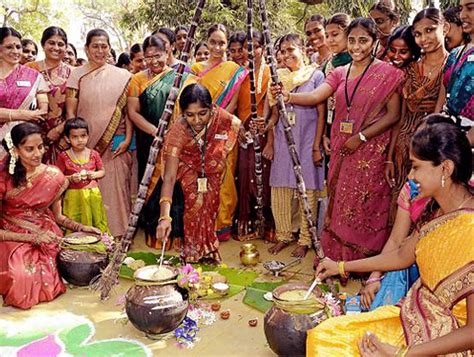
56, 79
223, 81
420, 95
359, 197
152, 104
18, 91
246, 178
200, 213
28, 273
459, 82
434, 306
102, 97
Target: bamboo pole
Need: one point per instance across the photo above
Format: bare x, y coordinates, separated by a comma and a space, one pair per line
289, 134
109, 276
254, 116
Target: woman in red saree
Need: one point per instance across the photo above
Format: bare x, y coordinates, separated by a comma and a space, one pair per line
195, 152
30, 212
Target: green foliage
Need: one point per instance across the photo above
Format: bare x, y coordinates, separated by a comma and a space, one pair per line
30, 17
444, 4
357, 8
285, 15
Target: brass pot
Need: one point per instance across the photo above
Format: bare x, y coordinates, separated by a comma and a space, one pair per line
249, 254
156, 307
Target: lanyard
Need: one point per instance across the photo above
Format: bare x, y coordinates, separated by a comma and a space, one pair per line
202, 148
350, 100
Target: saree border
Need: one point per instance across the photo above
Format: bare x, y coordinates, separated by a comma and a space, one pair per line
17, 190
436, 222
114, 122
456, 286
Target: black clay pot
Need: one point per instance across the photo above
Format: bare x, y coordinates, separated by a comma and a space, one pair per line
156, 307
286, 331
80, 268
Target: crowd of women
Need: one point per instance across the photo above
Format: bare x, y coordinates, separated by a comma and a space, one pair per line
381, 116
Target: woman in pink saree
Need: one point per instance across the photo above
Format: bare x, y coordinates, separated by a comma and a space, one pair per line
367, 106
22, 90
30, 212
97, 92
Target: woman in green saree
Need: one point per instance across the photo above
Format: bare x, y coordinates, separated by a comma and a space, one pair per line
147, 95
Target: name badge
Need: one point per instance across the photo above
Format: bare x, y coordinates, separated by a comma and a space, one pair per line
23, 83
470, 58
202, 184
347, 127
221, 137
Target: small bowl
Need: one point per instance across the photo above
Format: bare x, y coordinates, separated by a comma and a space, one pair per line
220, 288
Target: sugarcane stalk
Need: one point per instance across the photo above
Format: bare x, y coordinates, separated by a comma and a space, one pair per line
254, 117
289, 134
109, 276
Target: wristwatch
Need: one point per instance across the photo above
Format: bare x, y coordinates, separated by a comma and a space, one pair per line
362, 137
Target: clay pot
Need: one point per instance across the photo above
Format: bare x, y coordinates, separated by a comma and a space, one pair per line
286, 331
249, 254
80, 268
156, 307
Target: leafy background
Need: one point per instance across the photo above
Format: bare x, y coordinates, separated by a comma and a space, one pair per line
129, 21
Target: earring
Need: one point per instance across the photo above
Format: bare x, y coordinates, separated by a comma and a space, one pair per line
443, 181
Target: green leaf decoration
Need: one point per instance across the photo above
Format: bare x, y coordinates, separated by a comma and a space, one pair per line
17, 341
254, 294
77, 343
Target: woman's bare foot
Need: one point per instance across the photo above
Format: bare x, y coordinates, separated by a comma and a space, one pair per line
277, 248
300, 251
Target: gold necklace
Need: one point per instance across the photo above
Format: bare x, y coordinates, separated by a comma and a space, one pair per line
464, 202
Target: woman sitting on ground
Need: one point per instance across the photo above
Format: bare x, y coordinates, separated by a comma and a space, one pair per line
437, 316
30, 198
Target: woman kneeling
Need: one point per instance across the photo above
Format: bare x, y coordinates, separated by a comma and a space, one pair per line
30, 198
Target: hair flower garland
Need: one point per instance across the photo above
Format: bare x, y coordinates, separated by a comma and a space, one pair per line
10, 146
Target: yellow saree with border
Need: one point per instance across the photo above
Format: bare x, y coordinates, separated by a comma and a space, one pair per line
433, 307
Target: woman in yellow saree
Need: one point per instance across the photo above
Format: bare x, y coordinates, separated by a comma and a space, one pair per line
223, 79
437, 315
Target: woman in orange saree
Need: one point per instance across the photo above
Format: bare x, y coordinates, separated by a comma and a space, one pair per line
97, 92
30, 201
222, 79
195, 153
247, 183
437, 315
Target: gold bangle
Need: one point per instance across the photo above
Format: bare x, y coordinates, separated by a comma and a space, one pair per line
342, 271
166, 199
10, 115
165, 218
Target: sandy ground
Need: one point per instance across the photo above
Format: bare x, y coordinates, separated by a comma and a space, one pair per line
233, 337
